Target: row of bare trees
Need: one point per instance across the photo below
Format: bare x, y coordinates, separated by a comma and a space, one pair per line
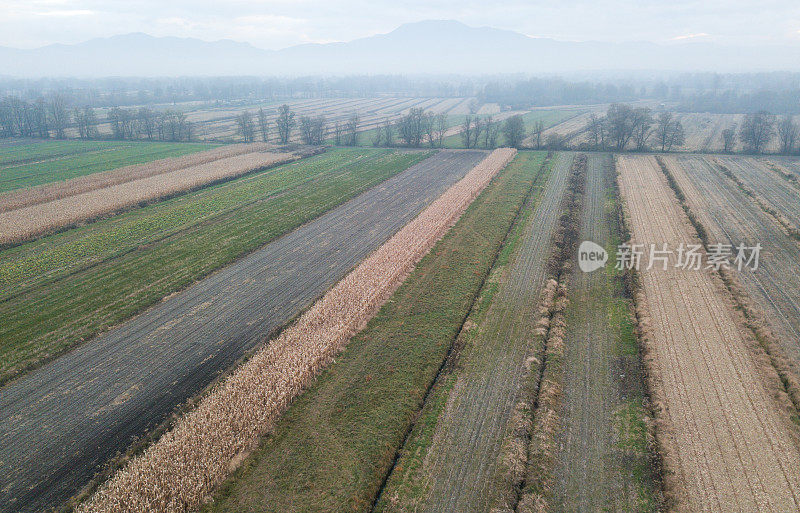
44, 117
142, 123
312, 129
625, 127
760, 128
50, 117
415, 129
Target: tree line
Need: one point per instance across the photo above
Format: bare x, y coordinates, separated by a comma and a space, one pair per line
312, 129
624, 127
51, 117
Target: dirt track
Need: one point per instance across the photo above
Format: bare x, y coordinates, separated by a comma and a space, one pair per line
59, 423
729, 446
601, 381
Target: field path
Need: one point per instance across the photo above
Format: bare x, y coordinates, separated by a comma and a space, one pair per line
730, 448
602, 378
61, 422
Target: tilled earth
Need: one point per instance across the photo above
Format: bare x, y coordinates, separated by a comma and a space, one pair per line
730, 447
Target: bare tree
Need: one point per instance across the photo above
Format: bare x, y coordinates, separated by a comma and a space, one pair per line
388, 132
487, 122
536, 133
669, 131
787, 134
312, 129
493, 132
351, 129
477, 130
147, 122
337, 134
263, 125
284, 123
40, 119
114, 116
59, 115
757, 130
6, 119
473, 106
245, 126
441, 128
173, 125
412, 127
514, 131
597, 131
728, 139
467, 131
642, 127
430, 128
620, 119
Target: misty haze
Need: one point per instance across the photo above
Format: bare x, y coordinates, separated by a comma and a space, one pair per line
269, 256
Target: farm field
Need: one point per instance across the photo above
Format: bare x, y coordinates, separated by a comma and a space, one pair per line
34, 163
603, 460
728, 442
569, 125
158, 180
765, 183
20, 198
729, 216
67, 287
347, 427
133, 380
451, 458
704, 130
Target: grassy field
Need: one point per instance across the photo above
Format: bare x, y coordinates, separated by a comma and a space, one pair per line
347, 427
62, 289
36, 163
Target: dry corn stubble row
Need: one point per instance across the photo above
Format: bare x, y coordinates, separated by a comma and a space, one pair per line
48, 192
25, 223
179, 472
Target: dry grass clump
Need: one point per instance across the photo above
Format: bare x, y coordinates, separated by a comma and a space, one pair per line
527, 457
514, 453
542, 448
179, 472
13, 200
34, 220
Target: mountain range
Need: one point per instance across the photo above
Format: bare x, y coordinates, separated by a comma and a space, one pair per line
426, 47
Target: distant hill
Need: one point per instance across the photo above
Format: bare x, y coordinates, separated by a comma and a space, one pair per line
423, 47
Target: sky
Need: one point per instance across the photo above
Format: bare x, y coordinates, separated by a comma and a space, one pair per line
274, 24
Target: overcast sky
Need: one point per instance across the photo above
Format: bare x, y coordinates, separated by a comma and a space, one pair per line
276, 24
